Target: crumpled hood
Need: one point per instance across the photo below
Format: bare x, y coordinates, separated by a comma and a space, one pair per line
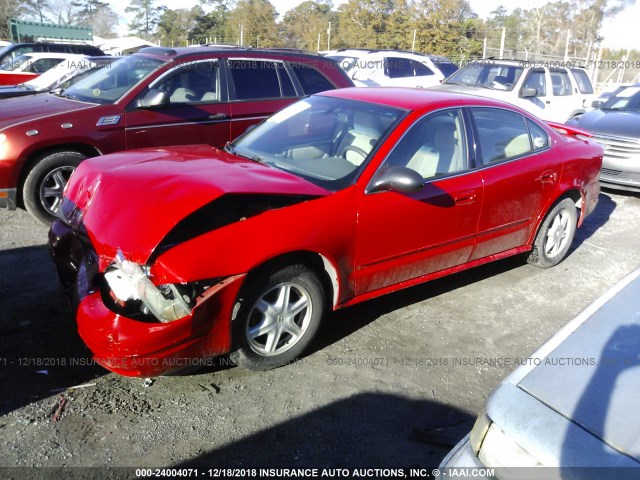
23, 109
611, 122
131, 200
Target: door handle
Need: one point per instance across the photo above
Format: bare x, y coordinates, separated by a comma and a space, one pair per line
218, 116
465, 198
547, 177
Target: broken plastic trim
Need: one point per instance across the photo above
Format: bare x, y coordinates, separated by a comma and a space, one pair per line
128, 281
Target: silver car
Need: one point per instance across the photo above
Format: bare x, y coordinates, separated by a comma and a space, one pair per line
570, 410
616, 125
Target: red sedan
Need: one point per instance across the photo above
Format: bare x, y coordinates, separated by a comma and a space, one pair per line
175, 255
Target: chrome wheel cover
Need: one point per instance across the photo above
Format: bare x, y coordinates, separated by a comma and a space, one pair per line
52, 187
279, 319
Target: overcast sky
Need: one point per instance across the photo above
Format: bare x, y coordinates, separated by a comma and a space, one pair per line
618, 32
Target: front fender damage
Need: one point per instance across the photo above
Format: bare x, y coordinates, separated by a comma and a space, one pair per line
141, 349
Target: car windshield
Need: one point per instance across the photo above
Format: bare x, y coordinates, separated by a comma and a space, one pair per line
63, 70
625, 99
496, 76
322, 139
109, 84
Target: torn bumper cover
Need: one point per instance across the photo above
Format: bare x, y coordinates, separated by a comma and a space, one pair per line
134, 327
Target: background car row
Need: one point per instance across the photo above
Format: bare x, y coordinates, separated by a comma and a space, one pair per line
158, 96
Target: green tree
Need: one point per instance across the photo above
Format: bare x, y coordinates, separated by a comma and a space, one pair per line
301, 25
255, 22
8, 9
175, 25
363, 23
104, 22
442, 26
95, 14
146, 16
210, 27
400, 25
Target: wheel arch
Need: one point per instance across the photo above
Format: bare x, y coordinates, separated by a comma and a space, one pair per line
576, 195
318, 263
35, 156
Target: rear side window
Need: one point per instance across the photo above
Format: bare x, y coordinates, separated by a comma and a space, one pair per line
447, 68
421, 70
254, 79
395, 67
561, 83
312, 80
539, 138
502, 134
583, 80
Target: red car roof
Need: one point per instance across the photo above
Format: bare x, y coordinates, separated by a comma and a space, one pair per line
412, 98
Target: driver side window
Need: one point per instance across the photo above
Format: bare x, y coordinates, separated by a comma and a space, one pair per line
193, 83
435, 146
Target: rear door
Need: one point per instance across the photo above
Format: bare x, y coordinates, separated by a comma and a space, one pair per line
520, 175
197, 111
257, 89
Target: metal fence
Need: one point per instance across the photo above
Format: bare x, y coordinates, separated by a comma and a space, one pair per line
605, 74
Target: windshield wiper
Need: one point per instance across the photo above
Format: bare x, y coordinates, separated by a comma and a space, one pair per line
230, 147
255, 158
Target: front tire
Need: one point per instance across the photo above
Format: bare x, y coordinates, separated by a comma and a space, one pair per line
43, 187
555, 236
277, 318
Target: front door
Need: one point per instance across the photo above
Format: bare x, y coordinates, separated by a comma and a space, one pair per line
197, 110
405, 236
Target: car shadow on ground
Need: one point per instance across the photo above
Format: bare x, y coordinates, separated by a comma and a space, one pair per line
40, 350
417, 433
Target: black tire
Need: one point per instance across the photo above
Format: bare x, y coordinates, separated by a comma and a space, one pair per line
278, 346
555, 236
42, 190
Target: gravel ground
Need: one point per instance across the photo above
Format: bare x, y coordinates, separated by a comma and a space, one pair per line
394, 382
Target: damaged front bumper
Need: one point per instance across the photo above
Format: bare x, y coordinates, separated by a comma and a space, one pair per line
139, 344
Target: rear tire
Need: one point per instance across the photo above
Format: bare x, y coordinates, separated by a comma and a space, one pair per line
555, 236
43, 187
278, 317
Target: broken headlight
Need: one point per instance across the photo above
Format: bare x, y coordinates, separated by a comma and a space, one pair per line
70, 213
130, 283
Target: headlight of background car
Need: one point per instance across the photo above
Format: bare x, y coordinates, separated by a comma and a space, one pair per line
478, 432
69, 213
129, 281
499, 450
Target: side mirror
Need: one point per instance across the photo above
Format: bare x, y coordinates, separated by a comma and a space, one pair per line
153, 98
597, 103
397, 179
528, 92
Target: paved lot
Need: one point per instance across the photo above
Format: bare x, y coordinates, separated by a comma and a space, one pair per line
391, 383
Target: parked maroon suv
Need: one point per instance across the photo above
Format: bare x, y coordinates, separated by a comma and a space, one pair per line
157, 97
